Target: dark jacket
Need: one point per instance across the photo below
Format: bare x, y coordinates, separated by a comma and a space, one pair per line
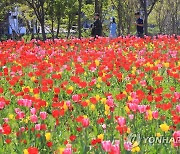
96, 28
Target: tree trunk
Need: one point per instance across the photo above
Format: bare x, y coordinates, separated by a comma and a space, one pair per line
52, 28
43, 29
119, 17
145, 18
173, 24
41, 17
176, 16
100, 9
37, 29
129, 25
69, 26
96, 6
58, 26
79, 18
52, 18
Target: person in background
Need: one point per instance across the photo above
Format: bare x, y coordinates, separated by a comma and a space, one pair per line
113, 28
96, 27
139, 25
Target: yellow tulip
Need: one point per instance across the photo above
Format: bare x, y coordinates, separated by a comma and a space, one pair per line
166, 65
101, 136
107, 108
97, 62
11, 116
164, 127
36, 96
33, 78
130, 98
61, 150
98, 86
99, 79
158, 134
124, 92
93, 107
65, 107
150, 117
106, 112
85, 73
103, 100
138, 149
97, 97
71, 88
128, 130
127, 109
85, 116
48, 136
25, 151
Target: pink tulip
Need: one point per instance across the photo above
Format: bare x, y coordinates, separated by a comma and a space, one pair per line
128, 146
133, 106
109, 97
104, 126
142, 108
37, 126
131, 116
117, 142
22, 129
67, 151
143, 83
68, 103
33, 111
155, 114
1, 130
2, 105
85, 122
25, 102
178, 108
177, 95
34, 118
6, 120
110, 102
133, 95
121, 121
115, 149
75, 98
21, 115
17, 110
176, 136
43, 115
106, 146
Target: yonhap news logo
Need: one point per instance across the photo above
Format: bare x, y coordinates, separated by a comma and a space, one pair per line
138, 138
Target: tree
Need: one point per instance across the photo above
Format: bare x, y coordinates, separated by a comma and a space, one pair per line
27, 14
59, 11
5, 7
98, 7
147, 8
39, 9
51, 15
71, 12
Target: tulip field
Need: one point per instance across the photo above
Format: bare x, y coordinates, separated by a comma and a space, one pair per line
103, 96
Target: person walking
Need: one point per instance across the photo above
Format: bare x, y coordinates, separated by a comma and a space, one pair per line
113, 28
139, 25
96, 27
